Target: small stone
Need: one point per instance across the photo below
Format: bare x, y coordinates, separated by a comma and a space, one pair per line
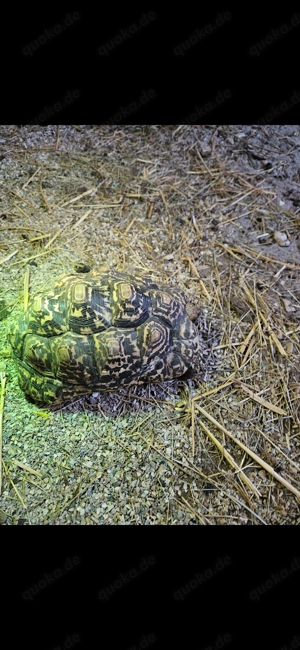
281, 238
193, 311
289, 347
288, 305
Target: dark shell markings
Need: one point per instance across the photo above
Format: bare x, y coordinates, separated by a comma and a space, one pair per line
102, 331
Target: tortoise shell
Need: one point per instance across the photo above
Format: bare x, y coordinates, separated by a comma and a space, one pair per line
101, 331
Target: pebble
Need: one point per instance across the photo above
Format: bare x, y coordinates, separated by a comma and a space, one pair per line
281, 238
288, 305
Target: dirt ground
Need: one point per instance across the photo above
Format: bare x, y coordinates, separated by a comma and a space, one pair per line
215, 211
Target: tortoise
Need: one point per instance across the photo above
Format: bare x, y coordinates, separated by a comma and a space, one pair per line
101, 331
